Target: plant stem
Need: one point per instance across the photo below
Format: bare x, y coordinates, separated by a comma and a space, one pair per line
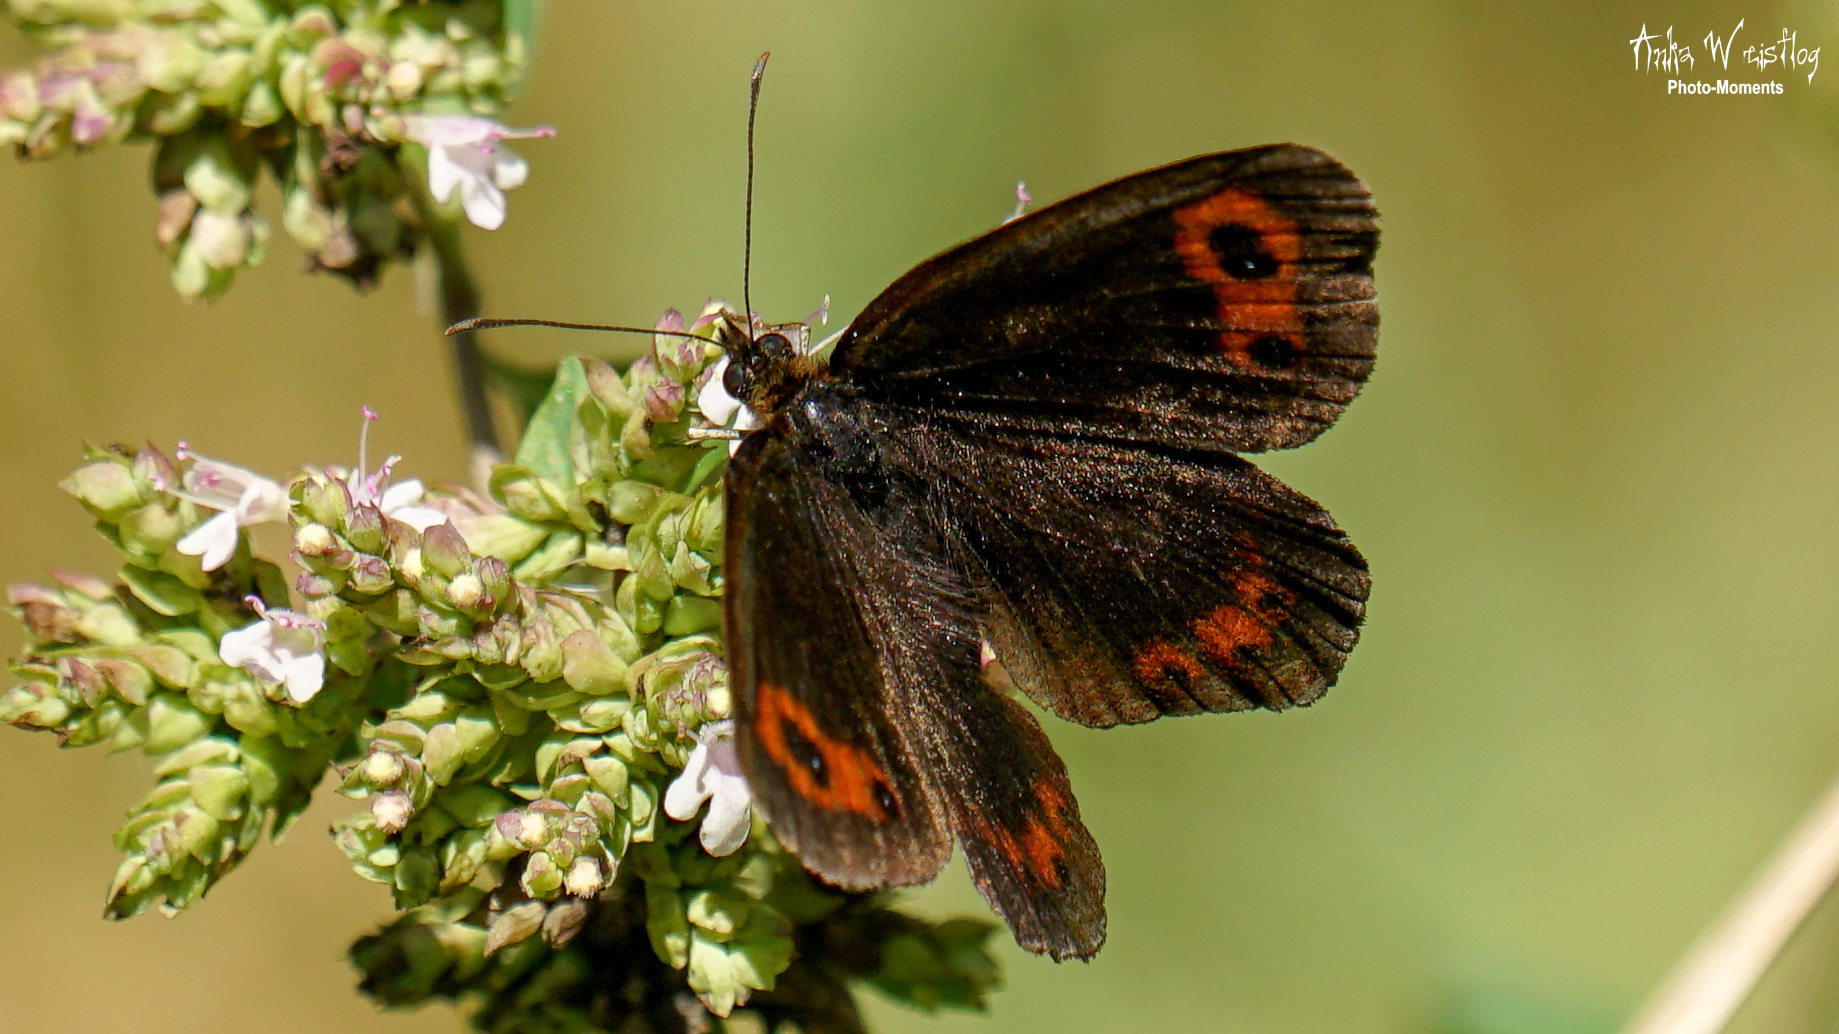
1722, 967
458, 296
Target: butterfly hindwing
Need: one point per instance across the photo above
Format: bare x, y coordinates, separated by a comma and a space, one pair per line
1223, 303
815, 720
1122, 584
1012, 810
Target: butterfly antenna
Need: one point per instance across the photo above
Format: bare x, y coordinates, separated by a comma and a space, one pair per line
753, 110
480, 323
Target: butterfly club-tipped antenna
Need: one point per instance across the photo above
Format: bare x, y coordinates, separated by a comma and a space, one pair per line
751, 352
492, 323
765, 363
753, 115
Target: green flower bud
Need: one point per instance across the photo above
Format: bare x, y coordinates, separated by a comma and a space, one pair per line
221, 177
444, 552
108, 489
690, 615
502, 536
220, 790
381, 768
474, 805
371, 576
220, 239
416, 876
19, 97
225, 78
541, 878
172, 723
495, 580
34, 705
309, 23
584, 878
590, 667
563, 921
542, 654
109, 624
527, 495
262, 106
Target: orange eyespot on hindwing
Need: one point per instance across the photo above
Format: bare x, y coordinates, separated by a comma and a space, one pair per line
824, 771
1169, 673
1247, 253
1036, 849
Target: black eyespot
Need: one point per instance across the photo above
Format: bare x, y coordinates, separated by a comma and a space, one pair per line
1274, 353
885, 797
1241, 252
805, 752
1061, 872
1178, 675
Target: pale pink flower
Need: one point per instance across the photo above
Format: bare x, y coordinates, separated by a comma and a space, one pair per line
284, 648
243, 497
463, 155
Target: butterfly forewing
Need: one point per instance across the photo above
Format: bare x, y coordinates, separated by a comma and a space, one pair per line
858, 665
1224, 302
816, 722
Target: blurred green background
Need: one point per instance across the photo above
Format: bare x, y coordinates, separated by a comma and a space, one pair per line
1595, 473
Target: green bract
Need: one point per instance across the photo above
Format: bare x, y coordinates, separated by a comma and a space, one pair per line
512, 691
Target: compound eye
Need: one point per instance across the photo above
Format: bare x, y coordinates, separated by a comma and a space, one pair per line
775, 346
734, 379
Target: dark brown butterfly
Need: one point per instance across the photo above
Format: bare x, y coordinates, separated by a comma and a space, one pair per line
1031, 441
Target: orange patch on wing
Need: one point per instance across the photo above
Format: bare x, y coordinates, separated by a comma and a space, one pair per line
1227, 628
1262, 596
1250, 309
1153, 663
1246, 623
1032, 850
1054, 801
1035, 849
825, 771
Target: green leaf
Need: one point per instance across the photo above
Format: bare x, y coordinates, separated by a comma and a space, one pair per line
545, 445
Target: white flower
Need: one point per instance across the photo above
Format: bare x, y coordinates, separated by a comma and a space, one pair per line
284, 648
713, 774
243, 496
392, 809
463, 154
